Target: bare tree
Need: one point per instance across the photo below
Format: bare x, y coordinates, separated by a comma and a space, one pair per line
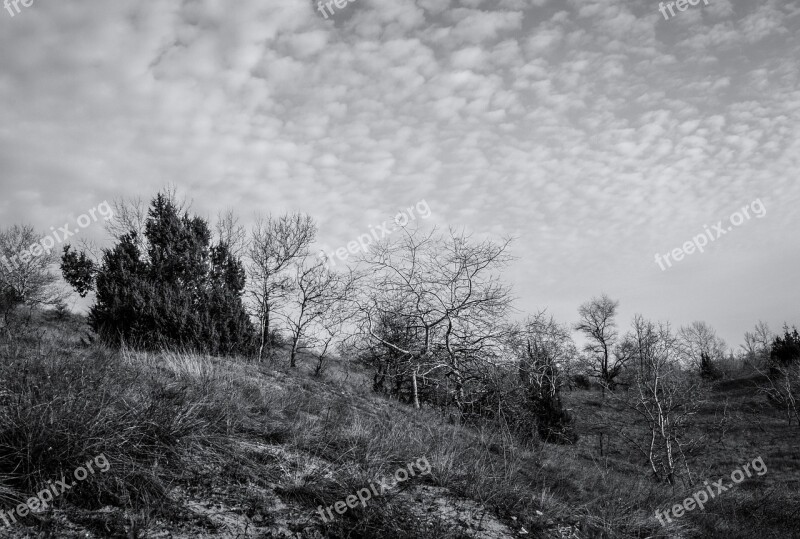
444, 291
331, 327
758, 343
130, 216
130, 219
701, 347
315, 293
27, 276
545, 348
339, 311
231, 232
664, 402
274, 244
597, 323
387, 352
782, 388
542, 337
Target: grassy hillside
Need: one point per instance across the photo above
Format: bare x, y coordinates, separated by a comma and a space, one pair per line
209, 447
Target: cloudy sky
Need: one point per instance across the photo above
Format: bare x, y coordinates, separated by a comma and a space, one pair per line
596, 132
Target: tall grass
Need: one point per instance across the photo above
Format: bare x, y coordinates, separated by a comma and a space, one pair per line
276, 443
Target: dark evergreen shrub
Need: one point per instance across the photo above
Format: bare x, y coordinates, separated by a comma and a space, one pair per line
181, 293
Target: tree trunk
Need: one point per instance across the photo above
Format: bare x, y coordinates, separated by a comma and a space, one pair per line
267, 336
293, 357
261, 346
379, 378
416, 392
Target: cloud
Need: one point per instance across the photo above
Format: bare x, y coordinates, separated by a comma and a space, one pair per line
595, 131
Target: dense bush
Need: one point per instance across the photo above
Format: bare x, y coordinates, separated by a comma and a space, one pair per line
177, 291
581, 381
786, 350
708, 371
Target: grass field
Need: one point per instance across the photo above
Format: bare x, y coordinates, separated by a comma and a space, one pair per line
209, 447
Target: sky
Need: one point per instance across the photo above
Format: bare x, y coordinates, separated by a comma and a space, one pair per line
597, 133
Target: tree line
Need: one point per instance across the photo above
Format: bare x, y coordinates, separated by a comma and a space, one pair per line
427, 311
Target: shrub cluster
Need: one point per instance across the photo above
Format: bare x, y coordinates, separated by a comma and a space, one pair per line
177, 291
